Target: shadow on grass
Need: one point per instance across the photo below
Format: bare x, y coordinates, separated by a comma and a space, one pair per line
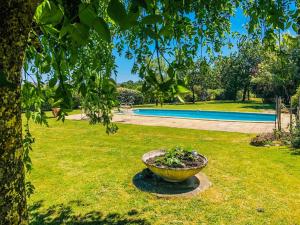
259, 106
295, 152
64, 214
149, 182
256, 104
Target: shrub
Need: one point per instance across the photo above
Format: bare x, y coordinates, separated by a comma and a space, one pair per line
295, 139
275, 138
130, 96
76, 101
215, 94
295, 97
263, 139
189, 97
202, 93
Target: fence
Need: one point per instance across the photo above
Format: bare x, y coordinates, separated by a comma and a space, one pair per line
290, 109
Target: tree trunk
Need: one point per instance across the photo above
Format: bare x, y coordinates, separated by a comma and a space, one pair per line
248, 94
14, 28
193, 91
244, 93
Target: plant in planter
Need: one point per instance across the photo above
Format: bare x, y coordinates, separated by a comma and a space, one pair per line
176, 164
178, 157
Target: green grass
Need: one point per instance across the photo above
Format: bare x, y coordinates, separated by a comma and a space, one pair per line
247, 106
82, 174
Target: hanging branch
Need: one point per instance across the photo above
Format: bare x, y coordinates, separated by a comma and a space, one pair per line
157, 53
162, 54
147, 66
27, 74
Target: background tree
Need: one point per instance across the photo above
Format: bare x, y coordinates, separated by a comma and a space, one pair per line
237, 69
199, 78
247, 61
278, 73
132, 85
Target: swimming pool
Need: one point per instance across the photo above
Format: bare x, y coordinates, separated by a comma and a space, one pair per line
207, 115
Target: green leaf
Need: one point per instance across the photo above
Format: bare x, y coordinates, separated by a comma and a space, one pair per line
180, 98
83, 89
65, 30
170, 72
182, 90
152, 19
102, 29
88, 17
50, 29
143, 4
80, 33
45, 67
117, 12
295, 27
52, 82
136, 3
48, 13
87, 14
149, 32
165, 31
57, 103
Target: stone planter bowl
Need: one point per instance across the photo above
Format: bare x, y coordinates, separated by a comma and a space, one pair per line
172, 174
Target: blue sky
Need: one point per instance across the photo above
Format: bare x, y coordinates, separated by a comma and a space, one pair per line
125, 65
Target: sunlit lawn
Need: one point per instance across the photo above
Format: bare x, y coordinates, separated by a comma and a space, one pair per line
81, 175
255, 105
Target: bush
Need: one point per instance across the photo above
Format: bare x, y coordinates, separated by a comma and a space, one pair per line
263, 139
130, 96
202, 94
76, 101
189, 97
215, 94
295, 140
295, 97
275, 138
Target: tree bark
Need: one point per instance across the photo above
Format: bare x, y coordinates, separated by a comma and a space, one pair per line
193, 91
248, 94
16, 19
244, 93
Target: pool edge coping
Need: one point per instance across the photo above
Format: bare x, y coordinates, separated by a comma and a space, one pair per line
239, 121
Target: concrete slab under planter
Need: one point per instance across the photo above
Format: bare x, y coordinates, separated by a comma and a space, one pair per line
148, 182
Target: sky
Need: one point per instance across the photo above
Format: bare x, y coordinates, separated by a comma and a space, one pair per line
124, 65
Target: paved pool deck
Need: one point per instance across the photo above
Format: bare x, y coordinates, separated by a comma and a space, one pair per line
127, 117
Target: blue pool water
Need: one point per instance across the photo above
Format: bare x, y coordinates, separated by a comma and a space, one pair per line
208, 115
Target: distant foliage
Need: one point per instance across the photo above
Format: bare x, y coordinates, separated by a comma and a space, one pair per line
215, 94
295, 98
295, 141
135, 85
278, 73
130, 96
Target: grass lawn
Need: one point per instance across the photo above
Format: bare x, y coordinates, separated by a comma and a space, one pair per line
247, 106
82, 175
